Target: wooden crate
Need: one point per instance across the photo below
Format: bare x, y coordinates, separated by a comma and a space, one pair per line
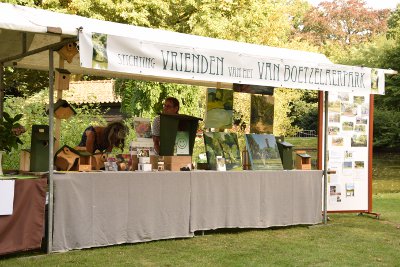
85, 163
175, 163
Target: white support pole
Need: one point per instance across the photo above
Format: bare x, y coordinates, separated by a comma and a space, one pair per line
51, 152
325, 157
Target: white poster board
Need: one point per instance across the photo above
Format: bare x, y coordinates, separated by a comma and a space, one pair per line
6, 197
348, 147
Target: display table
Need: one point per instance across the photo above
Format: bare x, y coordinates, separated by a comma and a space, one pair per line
105, 208
24, 229
255, 199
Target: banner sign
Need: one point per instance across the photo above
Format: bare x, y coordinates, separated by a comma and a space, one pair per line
129, 55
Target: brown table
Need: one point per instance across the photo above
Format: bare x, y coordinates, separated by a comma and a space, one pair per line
24, 229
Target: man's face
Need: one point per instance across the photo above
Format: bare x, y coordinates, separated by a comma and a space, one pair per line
169, 108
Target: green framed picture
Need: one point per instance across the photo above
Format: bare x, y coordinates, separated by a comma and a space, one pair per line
225, 145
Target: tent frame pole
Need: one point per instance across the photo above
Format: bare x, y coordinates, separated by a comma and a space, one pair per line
54, 47
51, 153
325, 157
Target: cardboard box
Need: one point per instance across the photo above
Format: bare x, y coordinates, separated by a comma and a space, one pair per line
153, 162
175, 163
144, 167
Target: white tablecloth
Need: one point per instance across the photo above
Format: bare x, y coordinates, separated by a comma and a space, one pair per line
255, 199
99, 209
106, 208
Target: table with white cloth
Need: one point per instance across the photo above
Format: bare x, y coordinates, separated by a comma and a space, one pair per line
106, 208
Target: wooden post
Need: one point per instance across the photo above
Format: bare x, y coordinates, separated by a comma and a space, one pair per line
1, 89
59, 96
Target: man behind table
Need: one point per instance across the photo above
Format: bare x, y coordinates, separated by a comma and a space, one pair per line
171, 106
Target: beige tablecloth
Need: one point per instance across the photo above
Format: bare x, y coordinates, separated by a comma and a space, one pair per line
99, 209
255, 199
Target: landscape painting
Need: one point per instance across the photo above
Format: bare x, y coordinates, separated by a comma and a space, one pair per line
225, 145
142, 128
219, 111
262, 114
99, 57
263, 152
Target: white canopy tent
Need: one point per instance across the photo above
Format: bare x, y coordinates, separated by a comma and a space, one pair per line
29, 36
25, 29
44, 27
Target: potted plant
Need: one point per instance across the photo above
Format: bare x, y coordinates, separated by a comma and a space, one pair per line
10, 130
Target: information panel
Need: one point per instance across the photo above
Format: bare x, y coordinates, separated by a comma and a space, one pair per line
348, 128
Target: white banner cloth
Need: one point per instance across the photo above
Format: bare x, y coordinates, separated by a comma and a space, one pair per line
129, 55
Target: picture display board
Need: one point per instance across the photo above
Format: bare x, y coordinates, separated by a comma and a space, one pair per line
219, 111
170, 126
262, 114
225, 145
348, 151
263, 152
142, 128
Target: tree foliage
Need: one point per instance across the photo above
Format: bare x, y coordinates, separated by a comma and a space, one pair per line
346, 22
285, 101
394, 23
21, 82
387, 129
347, 31
145, 99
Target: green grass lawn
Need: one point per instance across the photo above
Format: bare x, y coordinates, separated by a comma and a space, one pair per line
347, 240
301, 142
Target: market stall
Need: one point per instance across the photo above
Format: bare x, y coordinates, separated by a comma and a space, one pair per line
201, 200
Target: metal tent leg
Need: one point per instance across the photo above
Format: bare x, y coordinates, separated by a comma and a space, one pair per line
51, 153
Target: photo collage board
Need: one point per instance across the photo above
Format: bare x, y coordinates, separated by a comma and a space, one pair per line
348, 128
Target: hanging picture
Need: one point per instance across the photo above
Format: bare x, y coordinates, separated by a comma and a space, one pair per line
225, 145
99, 58
219, 111
262, 114
142, 128
263, 152
253, 89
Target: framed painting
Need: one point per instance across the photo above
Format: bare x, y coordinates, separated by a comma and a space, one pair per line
224, 145
262, 114
219, 111
142, 128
